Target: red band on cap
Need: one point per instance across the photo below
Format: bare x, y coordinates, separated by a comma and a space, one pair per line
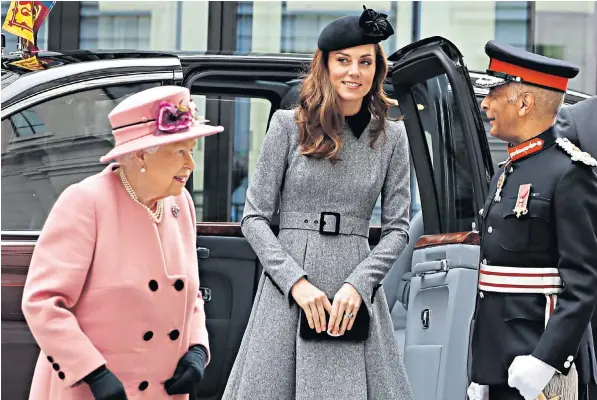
529, 75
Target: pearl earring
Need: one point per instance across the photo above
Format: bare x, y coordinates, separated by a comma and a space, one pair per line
143, 169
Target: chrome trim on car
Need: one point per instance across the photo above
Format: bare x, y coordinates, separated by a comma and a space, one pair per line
25, 82
20, 233
19, 243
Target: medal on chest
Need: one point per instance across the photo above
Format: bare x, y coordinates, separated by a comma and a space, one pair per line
500, 183
522, 200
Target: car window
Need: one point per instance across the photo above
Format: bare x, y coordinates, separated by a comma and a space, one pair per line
246, 119
450, 160
52, 145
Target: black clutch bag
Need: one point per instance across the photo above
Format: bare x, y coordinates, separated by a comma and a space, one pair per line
358, 333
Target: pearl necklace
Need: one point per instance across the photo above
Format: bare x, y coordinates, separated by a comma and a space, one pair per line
159, 212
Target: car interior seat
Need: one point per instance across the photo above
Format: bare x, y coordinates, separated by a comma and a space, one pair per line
396, 284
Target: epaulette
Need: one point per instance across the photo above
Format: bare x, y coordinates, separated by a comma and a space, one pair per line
575, 153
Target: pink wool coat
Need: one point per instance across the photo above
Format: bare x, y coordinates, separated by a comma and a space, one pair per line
106, 285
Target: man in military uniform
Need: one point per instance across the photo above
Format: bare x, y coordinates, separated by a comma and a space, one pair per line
538, 275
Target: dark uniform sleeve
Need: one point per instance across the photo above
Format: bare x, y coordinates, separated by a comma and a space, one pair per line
575, 210
565, 126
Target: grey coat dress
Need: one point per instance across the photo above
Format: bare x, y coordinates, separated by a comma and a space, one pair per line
274, 362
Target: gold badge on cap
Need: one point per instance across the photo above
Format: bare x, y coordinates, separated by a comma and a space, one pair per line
522, 200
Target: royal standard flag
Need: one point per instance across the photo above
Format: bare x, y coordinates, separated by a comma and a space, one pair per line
19, 20
42, 9
31, 63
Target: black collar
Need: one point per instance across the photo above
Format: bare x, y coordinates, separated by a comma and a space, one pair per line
360, 120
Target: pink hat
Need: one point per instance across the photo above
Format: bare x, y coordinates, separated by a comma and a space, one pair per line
154, 117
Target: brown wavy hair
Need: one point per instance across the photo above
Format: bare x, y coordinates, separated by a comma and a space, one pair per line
318, 114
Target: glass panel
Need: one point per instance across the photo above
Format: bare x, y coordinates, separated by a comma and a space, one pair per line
247, 121
293, 26
450, 159
469, 25
151, 25
567, 30
511, 23
52, 145
11, 40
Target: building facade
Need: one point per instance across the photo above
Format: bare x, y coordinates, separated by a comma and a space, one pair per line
561, 29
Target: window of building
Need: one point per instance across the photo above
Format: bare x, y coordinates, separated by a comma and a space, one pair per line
27, 123
512, 21
567, 30
296, 25
114, 28
301, 25
150, 25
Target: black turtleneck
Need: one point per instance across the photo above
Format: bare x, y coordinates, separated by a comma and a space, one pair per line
360, 120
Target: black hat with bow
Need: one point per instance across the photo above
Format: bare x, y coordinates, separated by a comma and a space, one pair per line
370, 28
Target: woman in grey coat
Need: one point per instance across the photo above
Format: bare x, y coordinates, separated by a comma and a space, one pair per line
327, 161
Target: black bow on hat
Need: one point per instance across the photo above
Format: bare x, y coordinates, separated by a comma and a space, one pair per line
375, 24
370, 28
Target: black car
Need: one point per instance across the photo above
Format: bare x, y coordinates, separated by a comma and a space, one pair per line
55, 128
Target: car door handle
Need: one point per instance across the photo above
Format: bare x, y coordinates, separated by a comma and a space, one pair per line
404, 289
205, 294
430, 267
202, 252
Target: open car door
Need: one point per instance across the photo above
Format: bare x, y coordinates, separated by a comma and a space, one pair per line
453, 167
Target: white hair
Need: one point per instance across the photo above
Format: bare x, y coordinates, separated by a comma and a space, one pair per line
546, 101
129, 156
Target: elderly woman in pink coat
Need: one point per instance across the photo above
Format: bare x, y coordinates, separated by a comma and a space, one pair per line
112, 295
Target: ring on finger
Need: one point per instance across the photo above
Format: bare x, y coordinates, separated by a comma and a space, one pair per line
349, 315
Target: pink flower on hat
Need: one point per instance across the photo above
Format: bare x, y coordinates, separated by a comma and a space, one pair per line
172, 118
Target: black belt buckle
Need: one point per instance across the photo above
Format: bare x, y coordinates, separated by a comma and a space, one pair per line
336, 232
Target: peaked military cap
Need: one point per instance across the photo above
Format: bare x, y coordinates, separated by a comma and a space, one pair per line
511, 64
350, 31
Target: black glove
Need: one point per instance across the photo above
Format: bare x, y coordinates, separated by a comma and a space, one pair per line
105, 385
189, 372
